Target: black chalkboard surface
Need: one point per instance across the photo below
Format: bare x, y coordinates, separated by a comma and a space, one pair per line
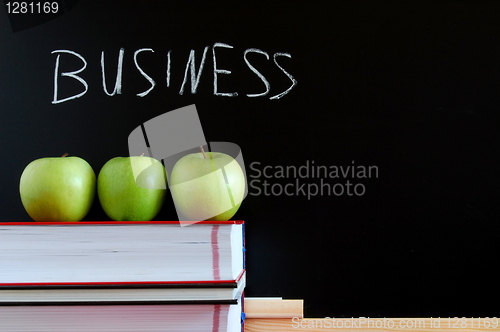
369, 131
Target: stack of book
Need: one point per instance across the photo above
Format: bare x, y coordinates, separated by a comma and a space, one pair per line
121, 276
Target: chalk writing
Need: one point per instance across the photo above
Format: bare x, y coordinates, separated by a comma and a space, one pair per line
192, 75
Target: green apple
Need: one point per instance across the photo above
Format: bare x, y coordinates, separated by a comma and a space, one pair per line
132, 188
207, 186
57, 189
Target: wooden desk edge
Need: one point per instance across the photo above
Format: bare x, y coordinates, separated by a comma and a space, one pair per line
372, 324
276, 314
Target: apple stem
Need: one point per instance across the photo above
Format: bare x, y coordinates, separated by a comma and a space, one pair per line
64, 155
142, 154
203, 152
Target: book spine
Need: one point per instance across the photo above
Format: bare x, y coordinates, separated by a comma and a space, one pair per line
244, 246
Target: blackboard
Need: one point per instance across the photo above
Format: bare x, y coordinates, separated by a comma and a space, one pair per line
407, 91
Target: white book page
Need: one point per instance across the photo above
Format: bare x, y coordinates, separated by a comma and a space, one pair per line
110, 253
119, 318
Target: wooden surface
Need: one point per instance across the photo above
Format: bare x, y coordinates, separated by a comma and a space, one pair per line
372, 324
273, 307
275, 314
